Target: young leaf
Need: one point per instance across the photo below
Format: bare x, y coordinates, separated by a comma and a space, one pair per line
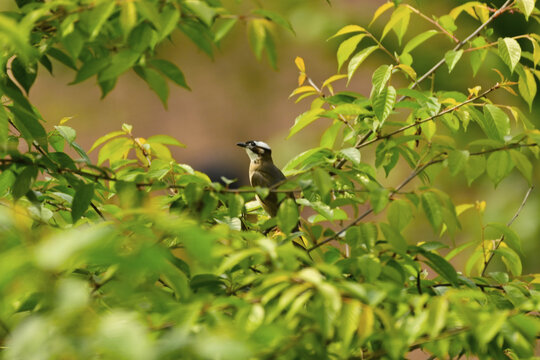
347, 47
165, 139
257, 34
202, 10
29, 126
509, 51
398, 22
357, 60
347, 30
81, 201
526, 7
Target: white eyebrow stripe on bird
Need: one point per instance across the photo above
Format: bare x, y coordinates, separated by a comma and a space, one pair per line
262, 144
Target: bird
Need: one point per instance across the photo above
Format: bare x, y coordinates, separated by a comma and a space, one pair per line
263, 173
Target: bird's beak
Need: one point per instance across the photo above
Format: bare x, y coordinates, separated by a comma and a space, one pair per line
241, 144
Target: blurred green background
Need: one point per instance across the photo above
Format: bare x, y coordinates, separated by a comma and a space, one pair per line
235, 98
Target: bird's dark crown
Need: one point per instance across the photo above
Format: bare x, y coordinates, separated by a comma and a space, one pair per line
258, 147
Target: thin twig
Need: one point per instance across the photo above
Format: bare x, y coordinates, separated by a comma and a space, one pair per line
501, 239
416, 11
461, 44
433, 117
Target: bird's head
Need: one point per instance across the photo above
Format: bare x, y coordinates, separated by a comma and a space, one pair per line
256, 149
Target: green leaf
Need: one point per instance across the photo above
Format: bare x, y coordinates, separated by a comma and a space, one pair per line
511, 238
128, 17
352, 154
7, 179
526, 85
91, 68
347, 30
509, 51
156, 82
224, 29
526, 7
370, 266
358, 59
92, 21
350, 314
25, 75
257, 36
62, 57
4, 129
287, 216
81, 201
347, 47
201, 10
490, 325
275, 18
29, 126
141, 37
379, 199
380, 78
399, 214
437, 314
417, 40
329, 137
499, 166
24, 180
236, 204
394, 238
476, 165
495, 122
451, 58
383, 103
66, 132
511, 260
120, 63
478, 56
165, 139
114, 150
323, 182
304, 120
198, 34
398, 22
106, 138
168, 19
433, 209
457, 160
523, 164
442, 267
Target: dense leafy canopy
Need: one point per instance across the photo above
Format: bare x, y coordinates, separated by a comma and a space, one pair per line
141, 257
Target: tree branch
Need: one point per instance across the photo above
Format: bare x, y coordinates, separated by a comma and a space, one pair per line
411, 176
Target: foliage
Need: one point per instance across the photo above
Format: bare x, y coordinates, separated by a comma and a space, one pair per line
141, 257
